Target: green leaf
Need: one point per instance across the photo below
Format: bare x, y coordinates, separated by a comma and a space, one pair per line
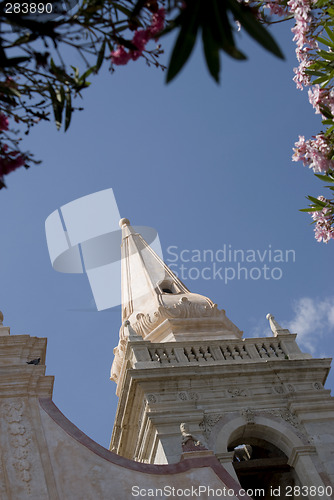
324, 41
325, 111
317, 202
68, 110
243, 14
311, 209
321, 80
330, 34
185, 41
57, 108
211, 52
100, 56
222, 30
5, 89
325, 178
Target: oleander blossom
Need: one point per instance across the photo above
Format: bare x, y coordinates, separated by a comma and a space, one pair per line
314, 153
4, 122
10, 161
120, 57
323, 230
276, 8
321, 98
303, 36
140, 39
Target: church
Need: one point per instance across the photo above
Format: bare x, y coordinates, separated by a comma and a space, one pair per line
202, 412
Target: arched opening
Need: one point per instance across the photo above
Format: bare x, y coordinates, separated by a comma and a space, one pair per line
260, 464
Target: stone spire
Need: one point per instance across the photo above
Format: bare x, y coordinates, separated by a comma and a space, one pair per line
157, 304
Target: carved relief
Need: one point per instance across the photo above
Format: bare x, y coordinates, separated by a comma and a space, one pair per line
248, 415
182, 396
235, 392
151, 398
318, 386
285, 414
19, 440
279, 389
290, 388
208, 422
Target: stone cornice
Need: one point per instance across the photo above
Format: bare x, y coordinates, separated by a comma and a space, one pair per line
17, 378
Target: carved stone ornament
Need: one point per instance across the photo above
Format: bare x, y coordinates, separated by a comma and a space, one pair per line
151, 398
279, 389
208, 422
285, 414
182, 396
235, 392
19, 440
318, 386
184, 308
248, 415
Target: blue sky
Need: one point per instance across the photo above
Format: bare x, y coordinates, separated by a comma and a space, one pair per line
206, 166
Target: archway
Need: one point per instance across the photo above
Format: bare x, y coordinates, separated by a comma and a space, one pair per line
260, 465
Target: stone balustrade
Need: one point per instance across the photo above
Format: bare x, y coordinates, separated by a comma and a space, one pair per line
282, 347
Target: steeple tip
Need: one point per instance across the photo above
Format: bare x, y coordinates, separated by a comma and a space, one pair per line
1, 318
124, 222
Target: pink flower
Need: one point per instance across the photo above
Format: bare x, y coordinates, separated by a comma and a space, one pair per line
324, 220
276, 8
140, 39
10, 160
314, 153
120, 57
4, 122
319, 97
157, 22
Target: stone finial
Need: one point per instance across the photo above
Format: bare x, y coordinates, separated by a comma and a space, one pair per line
275, 327
132, 334
124, 222
4, 330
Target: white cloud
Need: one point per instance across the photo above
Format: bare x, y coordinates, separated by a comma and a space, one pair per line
312, 320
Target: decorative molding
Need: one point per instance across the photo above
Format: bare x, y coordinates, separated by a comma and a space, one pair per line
318, 386
184, 308
185, 396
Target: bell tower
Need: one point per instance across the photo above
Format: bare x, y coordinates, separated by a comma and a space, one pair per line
259, 404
